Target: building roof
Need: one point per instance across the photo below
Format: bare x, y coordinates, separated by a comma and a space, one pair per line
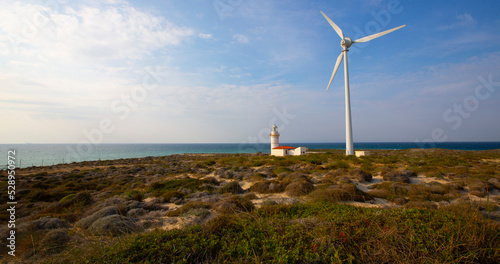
284, 147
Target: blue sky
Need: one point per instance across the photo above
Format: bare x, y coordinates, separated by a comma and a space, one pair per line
223, 71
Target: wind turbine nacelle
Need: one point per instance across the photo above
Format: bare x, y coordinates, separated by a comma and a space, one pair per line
346, 42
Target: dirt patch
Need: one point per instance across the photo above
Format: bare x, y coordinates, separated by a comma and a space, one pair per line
364, 186
424, 179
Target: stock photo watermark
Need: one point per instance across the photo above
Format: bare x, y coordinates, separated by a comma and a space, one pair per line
280, 118
33, 24
122, 107
11, 203
455, 115
381, 19
225, 7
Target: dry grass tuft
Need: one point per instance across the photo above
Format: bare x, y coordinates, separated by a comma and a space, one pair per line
342, 192
299, 188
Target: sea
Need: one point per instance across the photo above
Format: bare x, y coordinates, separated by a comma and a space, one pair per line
28, 155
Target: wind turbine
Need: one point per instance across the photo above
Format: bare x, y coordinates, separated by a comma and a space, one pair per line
345, 43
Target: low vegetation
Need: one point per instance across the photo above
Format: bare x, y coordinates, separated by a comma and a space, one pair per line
402, 206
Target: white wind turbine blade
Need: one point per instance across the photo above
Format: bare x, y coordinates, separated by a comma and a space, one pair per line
337, 64
374, 36
337, 29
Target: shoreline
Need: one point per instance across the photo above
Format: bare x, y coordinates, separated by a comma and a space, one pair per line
51, 154
314, 151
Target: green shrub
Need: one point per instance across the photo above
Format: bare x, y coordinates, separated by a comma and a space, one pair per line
339, 164
68, 198
281, 169
159, 188
208, 162
135, 195
257, 163
81, 199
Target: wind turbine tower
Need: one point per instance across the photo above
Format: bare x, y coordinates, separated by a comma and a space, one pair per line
345, 43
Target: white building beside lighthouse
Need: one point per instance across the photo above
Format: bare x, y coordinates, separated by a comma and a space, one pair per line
277, 150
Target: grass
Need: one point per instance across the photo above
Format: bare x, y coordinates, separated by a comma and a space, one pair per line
337, 193
231, 230
432, 192
318, 232
172, 186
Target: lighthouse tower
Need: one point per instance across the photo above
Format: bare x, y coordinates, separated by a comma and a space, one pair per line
275, 137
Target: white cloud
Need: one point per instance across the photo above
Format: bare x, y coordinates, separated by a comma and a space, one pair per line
240, 38
205, 36
114, 31
463, 20
77, 57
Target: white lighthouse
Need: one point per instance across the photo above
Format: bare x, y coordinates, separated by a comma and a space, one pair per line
275, 137
276, 150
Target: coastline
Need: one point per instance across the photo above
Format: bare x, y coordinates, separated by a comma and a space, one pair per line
52, 154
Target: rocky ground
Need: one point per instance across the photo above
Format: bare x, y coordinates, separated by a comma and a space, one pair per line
68, 206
